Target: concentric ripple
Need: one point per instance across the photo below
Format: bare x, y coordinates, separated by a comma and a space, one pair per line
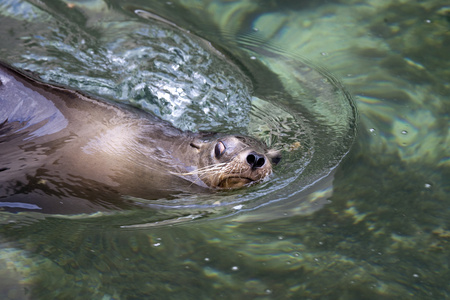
247, 87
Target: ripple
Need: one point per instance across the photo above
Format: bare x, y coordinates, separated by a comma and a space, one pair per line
249, 87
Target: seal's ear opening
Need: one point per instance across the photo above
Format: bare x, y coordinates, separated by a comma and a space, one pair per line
194, 145
201, 139
197, 144
274, 155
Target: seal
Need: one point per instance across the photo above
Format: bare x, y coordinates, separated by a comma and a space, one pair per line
64, 152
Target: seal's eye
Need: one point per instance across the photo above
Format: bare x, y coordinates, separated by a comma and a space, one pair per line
219, 150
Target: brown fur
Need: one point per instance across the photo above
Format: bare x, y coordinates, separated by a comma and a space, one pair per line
63, 152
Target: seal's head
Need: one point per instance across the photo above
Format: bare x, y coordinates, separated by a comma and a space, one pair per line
234, 161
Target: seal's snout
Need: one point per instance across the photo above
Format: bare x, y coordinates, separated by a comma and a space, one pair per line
236, 161
255, 160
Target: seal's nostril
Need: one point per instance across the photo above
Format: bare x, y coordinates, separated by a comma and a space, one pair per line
251, 159
255, 160
260, 162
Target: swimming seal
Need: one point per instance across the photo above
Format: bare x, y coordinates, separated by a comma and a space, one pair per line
64, 152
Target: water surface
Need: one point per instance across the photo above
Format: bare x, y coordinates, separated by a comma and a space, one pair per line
376, 227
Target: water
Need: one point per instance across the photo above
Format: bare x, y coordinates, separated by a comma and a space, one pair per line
375, 227
151, 63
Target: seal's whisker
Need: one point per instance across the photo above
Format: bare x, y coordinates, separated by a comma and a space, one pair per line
203, 170
211, 170
208, 172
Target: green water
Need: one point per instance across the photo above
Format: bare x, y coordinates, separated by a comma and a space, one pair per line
376, 228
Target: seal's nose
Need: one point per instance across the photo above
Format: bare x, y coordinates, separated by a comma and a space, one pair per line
255, 160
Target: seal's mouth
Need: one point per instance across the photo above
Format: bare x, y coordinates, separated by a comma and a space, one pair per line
234, 182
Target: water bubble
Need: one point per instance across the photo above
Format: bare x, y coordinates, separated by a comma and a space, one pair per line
427, 185
404, 132
323, 53
372, 129
280, 237
416, 275
428, 21
235, 268
157, 244
252, 57
255, 29
206, 258
268, 291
